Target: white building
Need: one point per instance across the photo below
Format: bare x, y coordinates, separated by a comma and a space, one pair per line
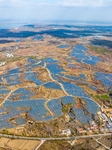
66, 132
9, 54
2, 64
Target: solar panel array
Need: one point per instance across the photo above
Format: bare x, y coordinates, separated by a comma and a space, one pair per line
73, 89
72, 77
105, 78
37, 108
79, 53
21, 94
83, 76
55, 107
12, 79
53, 85
32, 76
68, 100
63, 46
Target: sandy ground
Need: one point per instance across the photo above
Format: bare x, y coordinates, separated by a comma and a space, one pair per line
19, 144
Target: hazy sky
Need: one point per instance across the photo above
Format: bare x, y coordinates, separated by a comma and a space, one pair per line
79, 10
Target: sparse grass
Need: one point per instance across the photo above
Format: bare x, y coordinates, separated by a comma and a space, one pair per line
2, 60
102, 97
5, 131
66, 108
33, 57
100, 50
17, 59
105, 97
97, 96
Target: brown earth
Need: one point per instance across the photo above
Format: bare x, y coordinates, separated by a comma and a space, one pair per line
43, 92
18, 144
43, 74
23, 85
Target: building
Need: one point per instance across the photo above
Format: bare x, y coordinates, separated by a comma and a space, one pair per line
66, 132
2, 64
9, 55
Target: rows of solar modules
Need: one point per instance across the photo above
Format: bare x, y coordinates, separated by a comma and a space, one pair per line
108, 75
105, 78
47, 118
78, 56
5, 124
84, 119
81, 47
39, 113
39, 38
73, 66
91, 106
12, 79
92, 60
79, 53
64, 46
18, 41
13, 71
53, 85
6, 115
1, 80
20, 121
55, 77
55, 68
73, 89
36, 110
21, 94
72, 77
4, 91
83, 76
68, 100
32, 76
50, 60
55, 106
32, 61
29, 67
93, 88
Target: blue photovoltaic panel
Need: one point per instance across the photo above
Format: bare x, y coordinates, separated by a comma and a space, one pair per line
73, 89
68, 100
79, 53
63, 46
105, 78
31, 76
55, 107
83, 76
53, 85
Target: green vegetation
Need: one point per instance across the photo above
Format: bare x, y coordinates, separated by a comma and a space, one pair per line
2, 60
97, 96
66, 108
5, 131
33, 57
99, 50
17, 58
103, 97
56, 124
